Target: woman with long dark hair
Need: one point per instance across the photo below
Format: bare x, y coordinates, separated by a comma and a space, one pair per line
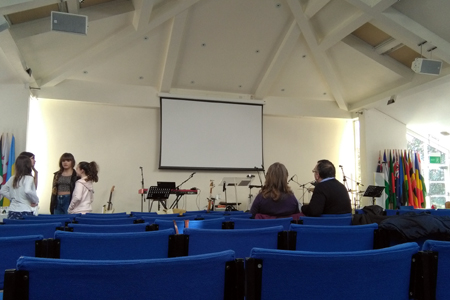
63, 185
21, 190
275, 197
83, 195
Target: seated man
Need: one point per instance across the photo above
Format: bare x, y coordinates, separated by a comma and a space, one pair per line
329, 196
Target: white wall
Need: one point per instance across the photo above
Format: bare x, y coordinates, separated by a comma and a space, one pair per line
378, 132
14, 99
121, 139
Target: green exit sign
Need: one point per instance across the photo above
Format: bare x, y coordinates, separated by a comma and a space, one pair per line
435, 158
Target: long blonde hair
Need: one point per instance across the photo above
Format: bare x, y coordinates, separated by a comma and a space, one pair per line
276, 182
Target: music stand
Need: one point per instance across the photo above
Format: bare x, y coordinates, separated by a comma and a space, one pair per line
233, 181
374, 192
160, 194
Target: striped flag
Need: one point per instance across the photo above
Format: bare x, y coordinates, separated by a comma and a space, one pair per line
12, 158
5, 156
386, 180
424, 188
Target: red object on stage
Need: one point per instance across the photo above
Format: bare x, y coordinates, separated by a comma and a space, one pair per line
178, 192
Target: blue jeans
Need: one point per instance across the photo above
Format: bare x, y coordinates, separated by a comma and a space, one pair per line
62, 204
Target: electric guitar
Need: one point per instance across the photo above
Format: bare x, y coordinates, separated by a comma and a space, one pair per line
108, 208
211, 199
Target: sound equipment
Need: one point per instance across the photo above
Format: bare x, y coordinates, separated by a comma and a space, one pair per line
427, 66
71, 23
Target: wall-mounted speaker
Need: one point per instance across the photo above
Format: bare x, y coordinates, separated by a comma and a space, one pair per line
427, 66
71, 23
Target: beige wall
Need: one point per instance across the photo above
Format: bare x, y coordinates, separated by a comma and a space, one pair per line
121, 139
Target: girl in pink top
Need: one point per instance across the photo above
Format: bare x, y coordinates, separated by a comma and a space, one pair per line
83, 194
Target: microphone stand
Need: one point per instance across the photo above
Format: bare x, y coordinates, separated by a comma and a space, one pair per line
142, 184
179, 195
356, 201
303, 189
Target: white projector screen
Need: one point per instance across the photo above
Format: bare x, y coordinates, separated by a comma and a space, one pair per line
207, 134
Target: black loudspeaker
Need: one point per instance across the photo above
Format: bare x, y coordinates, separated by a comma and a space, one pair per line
71, 23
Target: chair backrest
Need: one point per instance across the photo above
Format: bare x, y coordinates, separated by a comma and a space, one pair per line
113, 215
104, 246
105, 221
240, 223
440, 212
443, 266
199, 277
204, 224
335, 221
331, 275
334, 238
47, 230
139, 227
41, 216
11, 248
391, 212
61, 221
239, 240
336, 215
240, 216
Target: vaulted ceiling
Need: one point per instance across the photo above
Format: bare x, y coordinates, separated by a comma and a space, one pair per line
347, 54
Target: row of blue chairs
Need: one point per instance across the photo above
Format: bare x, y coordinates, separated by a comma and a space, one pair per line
389, 273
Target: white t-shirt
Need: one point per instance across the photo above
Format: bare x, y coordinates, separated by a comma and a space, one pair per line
21, 197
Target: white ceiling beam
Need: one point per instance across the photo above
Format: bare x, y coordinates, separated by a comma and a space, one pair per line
419, 83
143, 10
26, 6
73, 6
320, 57
314, 6
383, 60
9, 47
278, 60
109, 45
351, 24
173, 50
168, 11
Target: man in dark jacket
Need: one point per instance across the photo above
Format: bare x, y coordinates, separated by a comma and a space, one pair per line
329, 196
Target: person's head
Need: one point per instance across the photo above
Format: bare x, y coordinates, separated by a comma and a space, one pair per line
23, 168
276, 181
66, 162
324, 169
31, 156
88, 170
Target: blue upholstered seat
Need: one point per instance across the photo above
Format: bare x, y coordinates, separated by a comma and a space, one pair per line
240, 223
335, 221
103, 246
371, 274
443, 266
105, 221
139, 227
11, 248
239, 240
61, 221
47, 230
113, 215
193, 277
204, 224
334, 238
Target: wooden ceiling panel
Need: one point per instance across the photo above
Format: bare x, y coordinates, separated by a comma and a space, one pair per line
32, 14
404, 55
87, 3
371, 34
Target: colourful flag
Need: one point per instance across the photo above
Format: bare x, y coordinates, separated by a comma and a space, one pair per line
400, 181
418, 182
12, 158
386, 180
412, 175
392, 198
408, 176
5, 156
424, 188
380, 165
1, 166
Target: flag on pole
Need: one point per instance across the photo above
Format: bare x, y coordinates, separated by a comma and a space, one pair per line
380, 165
12, 158
400, 180
408, 174
424, 188
405, 180
392, 198
5, 156
1, 166
386, 180
418, 182
413, 180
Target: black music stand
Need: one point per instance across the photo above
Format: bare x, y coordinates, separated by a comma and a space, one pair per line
160, 194
374, 192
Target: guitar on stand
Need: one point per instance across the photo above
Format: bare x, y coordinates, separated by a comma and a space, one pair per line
108, 208
211, 199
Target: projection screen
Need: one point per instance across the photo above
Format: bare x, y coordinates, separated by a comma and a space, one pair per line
209, 134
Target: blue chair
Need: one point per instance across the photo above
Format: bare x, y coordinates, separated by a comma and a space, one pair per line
442, 248
240, 223
391, 212
11, 248
140, 227
104, 246
139, 213
47, 230
335, 221
334, 238
212, 216
440, 212
204, 224
239, 240
105, 221
336, 215
330, 275
169, 278
113, 215
61, 221
51, 217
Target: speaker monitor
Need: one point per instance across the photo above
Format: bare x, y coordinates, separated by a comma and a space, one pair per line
71, 23
427, 66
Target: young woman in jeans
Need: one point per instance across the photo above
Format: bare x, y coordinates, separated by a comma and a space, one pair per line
63, 185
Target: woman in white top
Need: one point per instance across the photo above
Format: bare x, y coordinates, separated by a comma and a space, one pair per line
21, 190
83, 194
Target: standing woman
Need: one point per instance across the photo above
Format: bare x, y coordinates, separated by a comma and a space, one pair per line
63, 185
83, 195
33, 162
275, 197
21, 190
